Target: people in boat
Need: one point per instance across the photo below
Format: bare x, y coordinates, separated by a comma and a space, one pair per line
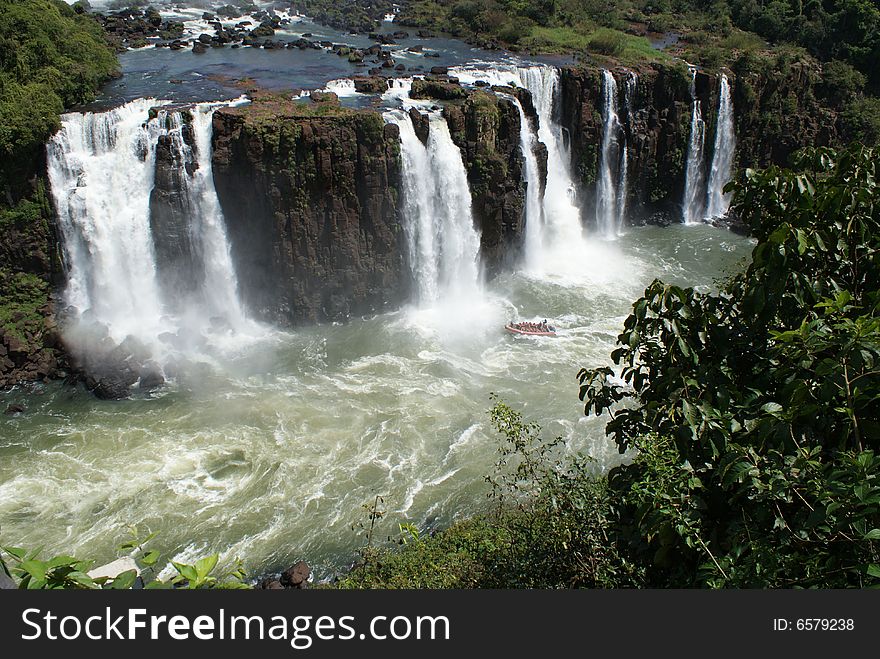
527, 326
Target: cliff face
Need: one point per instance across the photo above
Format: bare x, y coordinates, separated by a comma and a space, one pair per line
30, 346
486, 128
777, 110
656, 129
309, 194
170, 212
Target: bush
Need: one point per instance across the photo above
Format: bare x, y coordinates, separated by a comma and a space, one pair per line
757, 410
608, 42
841, 83
861, 121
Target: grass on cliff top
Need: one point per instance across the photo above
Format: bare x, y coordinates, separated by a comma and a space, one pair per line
268, 106
626, 48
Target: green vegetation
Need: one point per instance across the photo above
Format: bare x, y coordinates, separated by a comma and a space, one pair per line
21, 313
762, 400
840, 41
29, 572
50, 58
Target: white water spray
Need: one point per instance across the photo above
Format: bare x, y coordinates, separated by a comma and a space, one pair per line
694, 191
606, 192
629, 94
442, 242
101, 170
722, 154
528, 140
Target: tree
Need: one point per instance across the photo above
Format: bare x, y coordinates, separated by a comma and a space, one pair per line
758, 408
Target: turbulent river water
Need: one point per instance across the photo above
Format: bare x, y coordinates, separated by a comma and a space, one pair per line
269, 451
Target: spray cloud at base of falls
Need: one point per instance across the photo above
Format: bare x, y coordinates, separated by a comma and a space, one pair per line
122, 280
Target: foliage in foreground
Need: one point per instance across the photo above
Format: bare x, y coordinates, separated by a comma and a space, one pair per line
757, 409
24, 569
551, 527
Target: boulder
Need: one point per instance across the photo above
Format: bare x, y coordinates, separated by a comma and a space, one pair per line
263, 30
150, 377
370, 85
421, 124
296, 576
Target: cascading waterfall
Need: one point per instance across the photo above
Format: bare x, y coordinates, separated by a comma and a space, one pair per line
208, 226
560, 249
722, 154
443, 244
101, 170
606, 192
694, 191
534, 200
629, 94
562, 238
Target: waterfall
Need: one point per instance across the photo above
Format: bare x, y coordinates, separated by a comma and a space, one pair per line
528, 139
561, 232
208, 226
606, 192
102, 170
629, 94
694, 191
442, 242
722, 154
558, 246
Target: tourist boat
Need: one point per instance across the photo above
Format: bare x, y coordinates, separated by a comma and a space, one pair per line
531, 329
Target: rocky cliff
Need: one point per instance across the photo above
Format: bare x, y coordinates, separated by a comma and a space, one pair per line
309, 192
781, 106
777, 110
170, 212
656, 131
30, 346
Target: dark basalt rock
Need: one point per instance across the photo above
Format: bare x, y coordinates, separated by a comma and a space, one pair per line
310, 202
486, 128
370, 85
13, 409
296, 576
421, 124
270, 584
150, 377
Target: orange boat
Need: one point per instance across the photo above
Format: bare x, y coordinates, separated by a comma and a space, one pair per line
531, 329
